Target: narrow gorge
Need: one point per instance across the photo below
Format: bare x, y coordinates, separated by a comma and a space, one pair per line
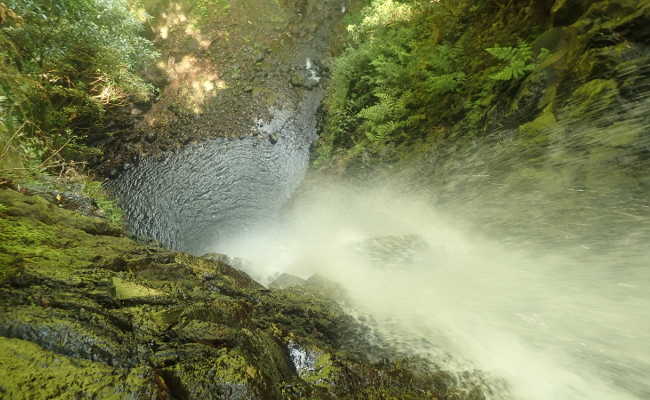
336, 199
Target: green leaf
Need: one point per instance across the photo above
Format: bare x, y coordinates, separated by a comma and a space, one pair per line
519, 61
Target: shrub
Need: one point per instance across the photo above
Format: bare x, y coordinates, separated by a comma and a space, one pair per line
63, 63
92, 44
390, 80
108, 206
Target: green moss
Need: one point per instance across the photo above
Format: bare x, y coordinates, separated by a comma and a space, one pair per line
590, 99
128, 290
225, 373
39, 244
52, 241
30, 372
108, 205
542, 125
26, 238
24, 234
8, 270
232, 367
325, 372
223, 310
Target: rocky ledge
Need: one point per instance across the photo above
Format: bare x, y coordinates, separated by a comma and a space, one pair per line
86, 312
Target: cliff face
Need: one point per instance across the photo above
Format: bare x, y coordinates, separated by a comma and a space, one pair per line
223, 67
86, 312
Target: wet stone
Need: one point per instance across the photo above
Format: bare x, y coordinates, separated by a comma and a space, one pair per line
304, 361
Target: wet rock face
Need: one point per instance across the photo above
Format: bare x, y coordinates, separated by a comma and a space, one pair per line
86, 313
308, 77
303, 360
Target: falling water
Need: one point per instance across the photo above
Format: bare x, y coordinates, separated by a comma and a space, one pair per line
535, 269
557, 325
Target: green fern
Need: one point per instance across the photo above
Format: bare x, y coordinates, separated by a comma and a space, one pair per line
519, 61
383, 118
442, 84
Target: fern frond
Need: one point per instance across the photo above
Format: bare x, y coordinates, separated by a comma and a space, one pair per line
519, 61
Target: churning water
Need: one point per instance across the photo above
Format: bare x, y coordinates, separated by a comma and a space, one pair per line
536, 269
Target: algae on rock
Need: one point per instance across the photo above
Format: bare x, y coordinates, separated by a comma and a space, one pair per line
85, 311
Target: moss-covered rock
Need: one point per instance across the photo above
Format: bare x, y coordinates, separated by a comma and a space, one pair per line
590, 99
30, 372
84, 309
124, 289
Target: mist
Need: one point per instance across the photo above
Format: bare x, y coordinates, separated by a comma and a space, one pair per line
553, 326
520, 265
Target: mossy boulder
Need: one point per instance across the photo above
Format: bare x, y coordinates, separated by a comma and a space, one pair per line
541, 125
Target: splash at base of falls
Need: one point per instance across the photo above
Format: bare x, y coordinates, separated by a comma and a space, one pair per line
550, 326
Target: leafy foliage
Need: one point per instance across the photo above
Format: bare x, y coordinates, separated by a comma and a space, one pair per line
108, 206
96, 41
416, 71
389, 81
204, 8
519, 61
63, 64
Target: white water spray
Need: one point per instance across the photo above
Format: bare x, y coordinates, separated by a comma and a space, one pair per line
552, 327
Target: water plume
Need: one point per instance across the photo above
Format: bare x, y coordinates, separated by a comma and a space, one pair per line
552, 326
